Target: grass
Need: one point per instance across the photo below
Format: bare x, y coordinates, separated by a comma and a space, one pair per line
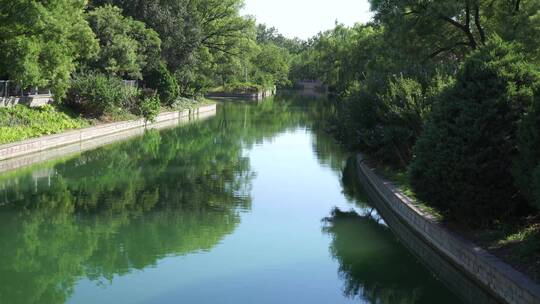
21, 122
400, 179
516, 241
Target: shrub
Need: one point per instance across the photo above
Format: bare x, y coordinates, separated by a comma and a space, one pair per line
182, 103
462, 161
163, 82
402, 109
387, 124
96, 95
149, 107
527, 165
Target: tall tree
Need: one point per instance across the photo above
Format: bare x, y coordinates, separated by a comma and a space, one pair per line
191, 29
455, 27
41, 41
127, 46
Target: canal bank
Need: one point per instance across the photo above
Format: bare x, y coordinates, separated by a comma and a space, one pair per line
497, 277
40, 144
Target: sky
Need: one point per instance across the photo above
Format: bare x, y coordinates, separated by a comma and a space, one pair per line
306, 18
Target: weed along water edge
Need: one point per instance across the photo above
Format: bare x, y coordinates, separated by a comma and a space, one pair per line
250, 206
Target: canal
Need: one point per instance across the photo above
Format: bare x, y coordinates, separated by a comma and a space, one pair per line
249, 206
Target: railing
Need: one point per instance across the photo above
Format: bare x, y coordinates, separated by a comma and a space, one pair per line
11, 94
131, 83
9, 88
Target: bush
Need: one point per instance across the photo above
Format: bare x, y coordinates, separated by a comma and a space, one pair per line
387, 124
96, 95
163, 82
462, 161
182, 103
149, 108
527, 165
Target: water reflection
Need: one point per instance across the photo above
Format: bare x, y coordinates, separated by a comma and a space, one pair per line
374, 266
376, 270
118, 209
122, 207
464, 288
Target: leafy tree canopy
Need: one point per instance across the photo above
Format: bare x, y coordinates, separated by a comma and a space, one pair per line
127, 46
41, 41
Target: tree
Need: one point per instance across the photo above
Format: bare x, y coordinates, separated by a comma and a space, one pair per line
163, 82
272, 64
42, 41
126, 45
272, 35
454, 28
519, 21
190, 31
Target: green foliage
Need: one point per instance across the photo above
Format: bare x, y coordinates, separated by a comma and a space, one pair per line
96, 95
387, 75
462, 161
21, 122
239, 87
271, 35
163, 82
272, 66
41, 42
196, 34
363, 247
149, 108
387, 124
127, 46
527, 165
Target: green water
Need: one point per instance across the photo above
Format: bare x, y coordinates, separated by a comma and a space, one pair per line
239, 208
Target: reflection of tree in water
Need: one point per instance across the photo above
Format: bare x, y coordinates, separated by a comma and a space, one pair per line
375, 268
353, 190
119, 208
125, 206
373, 265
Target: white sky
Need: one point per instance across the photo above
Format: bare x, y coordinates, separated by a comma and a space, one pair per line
306, 18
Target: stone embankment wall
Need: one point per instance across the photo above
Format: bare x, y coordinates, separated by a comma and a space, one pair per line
499, 278
40, 144
80, 147
248, 96
31, 101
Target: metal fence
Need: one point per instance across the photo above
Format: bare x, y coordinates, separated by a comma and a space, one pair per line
131, 83
9, 88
